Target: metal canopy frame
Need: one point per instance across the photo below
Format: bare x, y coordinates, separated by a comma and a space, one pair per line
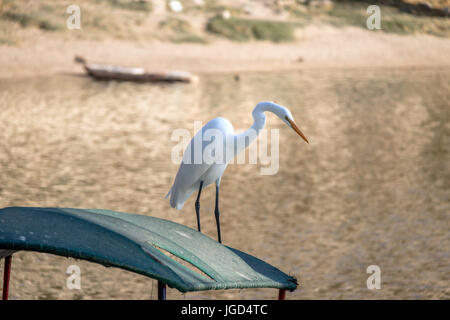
136, 243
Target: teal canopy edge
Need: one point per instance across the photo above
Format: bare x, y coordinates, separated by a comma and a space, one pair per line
137, 243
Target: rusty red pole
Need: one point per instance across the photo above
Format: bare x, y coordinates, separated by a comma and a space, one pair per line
6, 276
282, 294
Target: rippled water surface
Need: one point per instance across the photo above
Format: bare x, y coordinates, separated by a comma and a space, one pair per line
372, 188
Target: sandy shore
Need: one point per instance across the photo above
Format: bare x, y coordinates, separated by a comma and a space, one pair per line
315, 47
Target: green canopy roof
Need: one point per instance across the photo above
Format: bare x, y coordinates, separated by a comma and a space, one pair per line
134, 242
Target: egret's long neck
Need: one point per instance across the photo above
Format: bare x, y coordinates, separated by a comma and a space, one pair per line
244, 139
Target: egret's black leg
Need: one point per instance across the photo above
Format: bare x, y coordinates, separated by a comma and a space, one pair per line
197, 205
217, 214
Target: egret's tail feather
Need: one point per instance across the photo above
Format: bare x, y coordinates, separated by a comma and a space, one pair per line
168, 193
178, 199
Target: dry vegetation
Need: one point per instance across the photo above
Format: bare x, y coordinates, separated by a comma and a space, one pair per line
253, 20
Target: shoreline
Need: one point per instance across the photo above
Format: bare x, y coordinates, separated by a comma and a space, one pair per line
316, 47
83, 74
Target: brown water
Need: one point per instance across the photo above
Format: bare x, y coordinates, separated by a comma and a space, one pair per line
372, 188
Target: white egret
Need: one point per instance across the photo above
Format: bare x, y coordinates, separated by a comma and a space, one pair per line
196, 173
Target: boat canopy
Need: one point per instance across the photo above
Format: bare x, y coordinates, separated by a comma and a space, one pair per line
146, 245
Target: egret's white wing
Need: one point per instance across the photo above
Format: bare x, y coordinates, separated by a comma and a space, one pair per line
186, 182
192, 168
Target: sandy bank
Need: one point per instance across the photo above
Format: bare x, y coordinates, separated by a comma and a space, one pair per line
316, 47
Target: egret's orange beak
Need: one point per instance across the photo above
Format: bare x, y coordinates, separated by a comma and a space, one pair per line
296, 129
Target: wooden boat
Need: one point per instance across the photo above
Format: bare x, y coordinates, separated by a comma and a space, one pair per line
111, 72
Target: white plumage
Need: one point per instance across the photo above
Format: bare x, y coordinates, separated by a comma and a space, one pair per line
192, 173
